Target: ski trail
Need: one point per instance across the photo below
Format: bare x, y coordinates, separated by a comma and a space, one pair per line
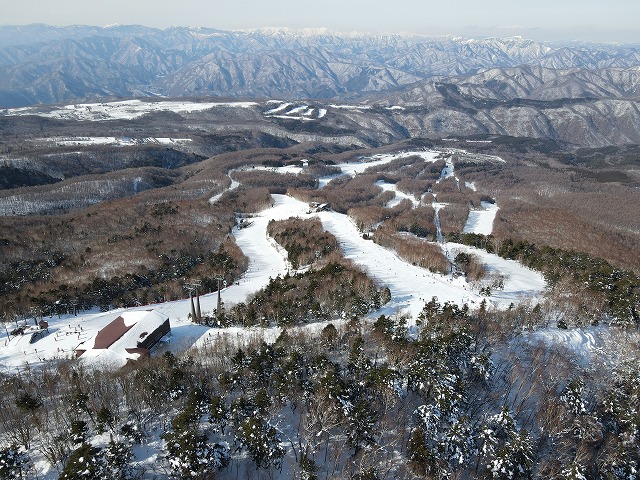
481, 221
234, 184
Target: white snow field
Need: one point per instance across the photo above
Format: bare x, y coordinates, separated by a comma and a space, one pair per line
520, 283
354, 168
608, 346
481, 221
118, 141
124, 110
280, 108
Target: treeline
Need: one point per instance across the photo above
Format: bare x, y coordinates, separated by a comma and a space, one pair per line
619, 288
80, 192
274, 182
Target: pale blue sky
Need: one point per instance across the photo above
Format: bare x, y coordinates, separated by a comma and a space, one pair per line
609, 20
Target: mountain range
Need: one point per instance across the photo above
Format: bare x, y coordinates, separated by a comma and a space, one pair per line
44, 64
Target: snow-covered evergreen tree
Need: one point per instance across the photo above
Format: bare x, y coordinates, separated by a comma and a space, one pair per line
117, 456
190, 454
573, 397
261, 440
509, 450
85, 463
14, 462
573, 471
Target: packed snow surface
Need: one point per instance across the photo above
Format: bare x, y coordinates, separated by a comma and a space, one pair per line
520, 283
280, 108
481, 221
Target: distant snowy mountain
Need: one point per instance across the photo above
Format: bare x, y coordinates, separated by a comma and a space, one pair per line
44, 64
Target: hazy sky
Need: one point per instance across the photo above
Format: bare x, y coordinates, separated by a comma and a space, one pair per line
602, 20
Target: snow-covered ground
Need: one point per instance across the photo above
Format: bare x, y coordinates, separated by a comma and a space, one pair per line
282, 170
608, 346
234, 184
481, 221
124, 110
118, 141
289, 111
437, 206
280, 108
520, 283
354, 168
70, 332
350, 107
399, 195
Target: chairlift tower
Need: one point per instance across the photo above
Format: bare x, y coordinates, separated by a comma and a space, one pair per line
221, 280
192, 287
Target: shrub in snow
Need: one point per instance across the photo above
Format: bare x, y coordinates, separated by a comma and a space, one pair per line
218, 412
329, 335
117, 456
361, 424
367, 473
422, 460
132, 431
104, 420
308, 467
27, 402
482, 366
78, 431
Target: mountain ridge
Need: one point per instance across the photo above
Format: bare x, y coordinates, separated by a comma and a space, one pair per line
42, 64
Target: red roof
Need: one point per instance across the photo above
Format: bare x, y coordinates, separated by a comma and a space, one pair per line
112, 332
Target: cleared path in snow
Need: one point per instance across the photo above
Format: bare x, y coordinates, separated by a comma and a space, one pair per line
520, 282
410, 286
481, 221
399, 196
